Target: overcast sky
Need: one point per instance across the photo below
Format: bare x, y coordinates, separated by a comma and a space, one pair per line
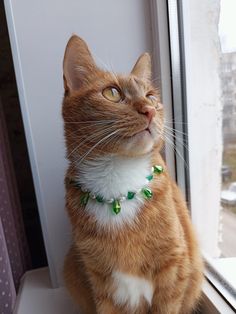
227, 25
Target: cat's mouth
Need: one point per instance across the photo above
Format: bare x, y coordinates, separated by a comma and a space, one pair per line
147, 132
143, 133
141, 141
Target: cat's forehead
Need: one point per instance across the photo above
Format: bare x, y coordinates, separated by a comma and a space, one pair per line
132, 86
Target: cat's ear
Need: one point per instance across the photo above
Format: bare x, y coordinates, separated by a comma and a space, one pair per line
78, 64
143, 67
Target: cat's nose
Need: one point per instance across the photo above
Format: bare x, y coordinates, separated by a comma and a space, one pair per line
148, 111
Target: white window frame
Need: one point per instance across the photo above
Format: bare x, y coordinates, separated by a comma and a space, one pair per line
167, 52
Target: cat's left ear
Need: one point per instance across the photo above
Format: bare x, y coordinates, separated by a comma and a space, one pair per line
143, 67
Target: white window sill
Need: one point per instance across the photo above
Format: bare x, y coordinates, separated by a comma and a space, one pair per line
221, 273
227, 268
37, 296
213, 302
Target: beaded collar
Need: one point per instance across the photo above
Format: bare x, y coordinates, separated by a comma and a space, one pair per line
145, 192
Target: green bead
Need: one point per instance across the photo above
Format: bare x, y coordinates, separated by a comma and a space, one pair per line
116, 207
130, 195
84, 199
99, 199
158, 169
150, 177
147, 193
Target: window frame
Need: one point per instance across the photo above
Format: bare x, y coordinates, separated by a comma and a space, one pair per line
168, 62
218, 296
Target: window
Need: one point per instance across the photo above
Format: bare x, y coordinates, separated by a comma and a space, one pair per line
206, 44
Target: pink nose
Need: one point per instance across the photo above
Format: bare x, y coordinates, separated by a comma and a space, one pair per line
148, 111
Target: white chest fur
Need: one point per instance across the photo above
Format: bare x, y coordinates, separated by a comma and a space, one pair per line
129, 289
112, 177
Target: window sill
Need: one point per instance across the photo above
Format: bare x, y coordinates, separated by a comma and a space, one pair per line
37, 296
220, 272
213, 302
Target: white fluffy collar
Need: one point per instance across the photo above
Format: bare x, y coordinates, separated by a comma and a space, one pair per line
111, 177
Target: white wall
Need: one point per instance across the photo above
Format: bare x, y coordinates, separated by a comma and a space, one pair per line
117, 33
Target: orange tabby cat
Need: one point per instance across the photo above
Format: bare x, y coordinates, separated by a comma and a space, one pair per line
134, 250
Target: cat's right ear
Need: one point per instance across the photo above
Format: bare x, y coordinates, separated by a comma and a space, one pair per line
142, 67
78, 64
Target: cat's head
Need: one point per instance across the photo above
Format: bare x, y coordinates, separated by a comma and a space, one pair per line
105, 113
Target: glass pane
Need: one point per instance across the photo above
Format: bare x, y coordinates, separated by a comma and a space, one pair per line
227, 26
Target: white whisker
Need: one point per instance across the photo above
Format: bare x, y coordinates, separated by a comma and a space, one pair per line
94, 146
91, 137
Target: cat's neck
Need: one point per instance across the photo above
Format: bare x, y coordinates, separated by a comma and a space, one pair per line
113, 176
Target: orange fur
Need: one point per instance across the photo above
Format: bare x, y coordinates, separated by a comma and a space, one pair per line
160, 245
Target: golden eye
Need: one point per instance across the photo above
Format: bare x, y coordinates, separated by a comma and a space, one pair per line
112, 94
152, 98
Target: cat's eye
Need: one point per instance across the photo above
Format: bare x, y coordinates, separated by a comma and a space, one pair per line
112, 94
152, 97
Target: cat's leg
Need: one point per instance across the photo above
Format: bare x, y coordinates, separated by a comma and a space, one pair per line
109, 301
182, 298
107, 306
192, 297
95, 300
170, 286
77, 283
103, 291
164, 304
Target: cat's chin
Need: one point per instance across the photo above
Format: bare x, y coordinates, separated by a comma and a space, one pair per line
139, 144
